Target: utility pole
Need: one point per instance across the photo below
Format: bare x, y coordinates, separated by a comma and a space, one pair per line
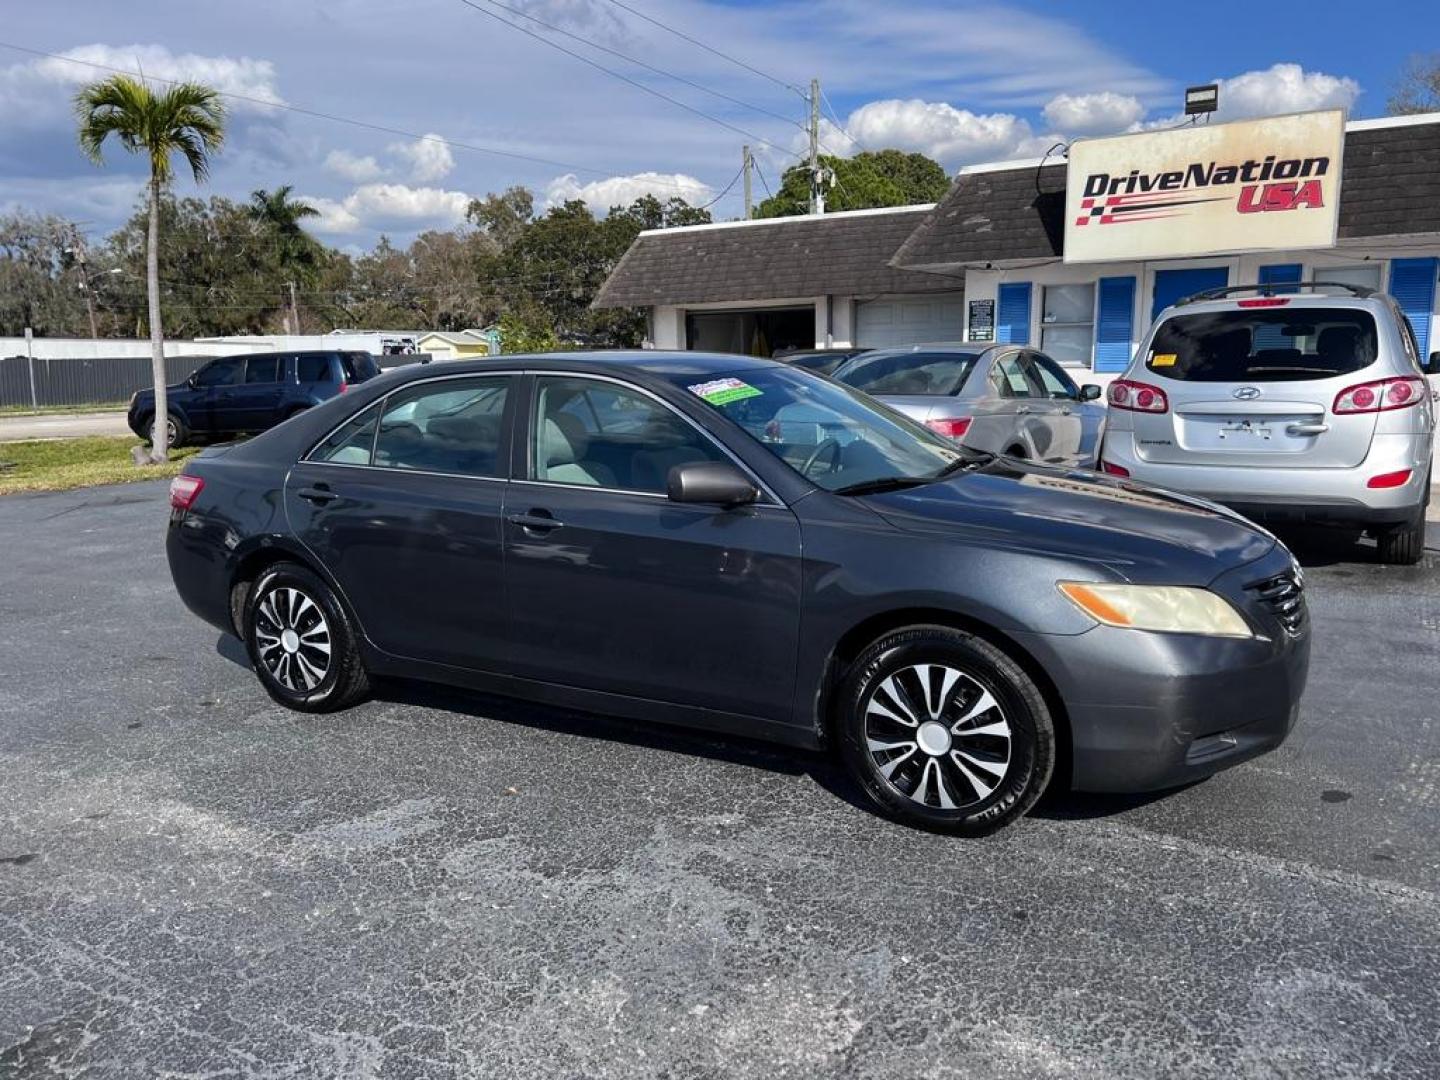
817, 198
746, 164
77, 245
294, 309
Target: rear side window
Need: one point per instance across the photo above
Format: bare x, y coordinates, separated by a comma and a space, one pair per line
313, 369
351, 442
1264, 345
358, 366
453, 426
262, 369
908, 373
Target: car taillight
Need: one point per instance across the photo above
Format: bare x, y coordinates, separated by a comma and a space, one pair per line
184, 490
1137, 397
1390, 479
1380, 396
1113, 469
344, 386
953, 428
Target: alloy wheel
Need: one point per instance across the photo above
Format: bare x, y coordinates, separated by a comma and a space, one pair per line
938, 736
292, 639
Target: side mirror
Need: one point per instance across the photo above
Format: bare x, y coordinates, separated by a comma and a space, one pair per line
1433, 367
1090, 392
714, 482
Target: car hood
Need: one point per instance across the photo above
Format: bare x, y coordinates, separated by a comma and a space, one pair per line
1140, 532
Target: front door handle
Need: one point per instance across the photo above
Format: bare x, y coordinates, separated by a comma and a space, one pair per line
1312, 428
536, 521
1021, 410
320, 494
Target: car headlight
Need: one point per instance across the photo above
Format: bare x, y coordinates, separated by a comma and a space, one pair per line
1170, 609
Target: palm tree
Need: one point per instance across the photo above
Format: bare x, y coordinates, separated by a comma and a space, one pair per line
298, 253
187, 118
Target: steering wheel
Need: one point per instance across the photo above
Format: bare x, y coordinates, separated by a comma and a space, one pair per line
832, 445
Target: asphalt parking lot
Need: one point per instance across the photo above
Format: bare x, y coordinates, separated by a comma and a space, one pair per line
194, 882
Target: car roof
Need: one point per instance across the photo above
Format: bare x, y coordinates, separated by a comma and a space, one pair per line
1374, 302
660, 365
968, 348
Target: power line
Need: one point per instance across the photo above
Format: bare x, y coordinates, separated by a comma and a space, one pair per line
838, 125
641, 63
332, 117
728, 186
619, 75
708, 48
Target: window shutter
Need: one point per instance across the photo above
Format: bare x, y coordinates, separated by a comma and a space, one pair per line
1012, 317
1412, 284
1114, 323
1274, 275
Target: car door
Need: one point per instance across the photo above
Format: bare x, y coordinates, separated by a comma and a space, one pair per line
402, 504
209, 407
611, 586
253, 404
999, 413
1059, 409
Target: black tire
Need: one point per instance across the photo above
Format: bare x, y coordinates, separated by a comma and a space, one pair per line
1027, 752
290, 616
1403, 545
178, 434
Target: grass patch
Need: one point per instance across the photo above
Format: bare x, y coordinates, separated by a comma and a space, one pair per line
61, 464
51, 410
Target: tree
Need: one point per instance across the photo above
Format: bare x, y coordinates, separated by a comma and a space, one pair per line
1418, 90
869, 179
280, 216
503, 218
39, 283
188, 119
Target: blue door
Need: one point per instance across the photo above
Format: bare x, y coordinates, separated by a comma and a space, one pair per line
1172, 285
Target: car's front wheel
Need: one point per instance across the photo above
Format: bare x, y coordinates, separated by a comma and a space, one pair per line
945, 731
301, 642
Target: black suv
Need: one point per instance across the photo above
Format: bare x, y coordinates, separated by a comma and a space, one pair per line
234, 395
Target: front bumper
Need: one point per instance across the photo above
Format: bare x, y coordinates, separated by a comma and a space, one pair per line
1292, 494
1153, 711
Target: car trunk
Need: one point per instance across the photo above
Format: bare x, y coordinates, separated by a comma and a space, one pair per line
1254, 387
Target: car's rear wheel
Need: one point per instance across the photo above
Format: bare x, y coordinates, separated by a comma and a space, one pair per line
945, 731
1403, 545
301, 642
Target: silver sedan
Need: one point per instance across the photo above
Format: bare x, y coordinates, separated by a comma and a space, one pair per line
1002, 398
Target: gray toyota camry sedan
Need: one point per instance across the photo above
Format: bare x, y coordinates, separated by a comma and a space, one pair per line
740, 546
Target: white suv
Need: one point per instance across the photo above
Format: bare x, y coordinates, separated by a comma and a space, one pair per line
1296, 402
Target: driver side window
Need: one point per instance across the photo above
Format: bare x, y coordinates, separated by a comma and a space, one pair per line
590, 433
220, 373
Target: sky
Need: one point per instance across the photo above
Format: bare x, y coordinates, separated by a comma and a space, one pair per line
470, 103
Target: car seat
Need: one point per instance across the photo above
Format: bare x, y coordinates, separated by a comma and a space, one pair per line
560, 456
1338, 349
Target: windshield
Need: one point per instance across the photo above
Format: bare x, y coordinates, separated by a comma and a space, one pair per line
1271, 344
831, 435
907, 372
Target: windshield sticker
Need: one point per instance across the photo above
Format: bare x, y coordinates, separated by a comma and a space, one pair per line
1163, 359
724, 391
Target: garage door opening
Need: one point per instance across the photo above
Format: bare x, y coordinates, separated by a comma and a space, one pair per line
762, 332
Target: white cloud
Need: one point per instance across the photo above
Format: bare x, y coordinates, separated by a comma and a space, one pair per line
1093, 114
952, 136
378, 206
244, 75
601, 195
353, 167
1284, 88
429, 157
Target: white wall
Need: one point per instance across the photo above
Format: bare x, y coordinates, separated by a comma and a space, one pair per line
104, 348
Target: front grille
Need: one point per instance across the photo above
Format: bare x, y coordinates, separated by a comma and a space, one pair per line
1284, 597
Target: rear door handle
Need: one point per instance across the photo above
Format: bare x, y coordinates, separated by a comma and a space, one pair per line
536, 520
1307, 429
320, 494
1021, 410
